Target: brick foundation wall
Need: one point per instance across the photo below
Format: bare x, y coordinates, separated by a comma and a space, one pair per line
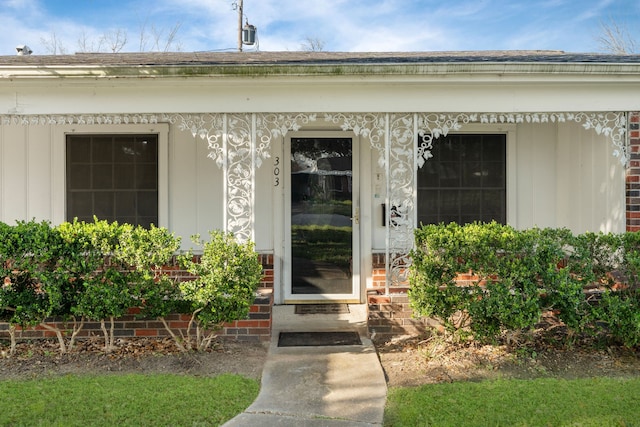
633, 174
389, 315
256, 327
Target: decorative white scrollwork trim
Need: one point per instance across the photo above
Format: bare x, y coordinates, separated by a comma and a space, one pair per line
209, 127
610, 124
80, 119
239, 176
369, 125
272, 126
400, 196
239, 143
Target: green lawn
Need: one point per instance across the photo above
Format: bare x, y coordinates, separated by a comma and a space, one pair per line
125, 400
598, 402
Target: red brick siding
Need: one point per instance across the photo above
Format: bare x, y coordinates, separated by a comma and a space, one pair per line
633, 174
257, 326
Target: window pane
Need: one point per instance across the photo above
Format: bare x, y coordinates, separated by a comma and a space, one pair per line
81, 203
465, 180
102, 150
429, 176
102, 175
147, 203
146, 176
493, 203
105, 174
147, 149
449, 203
471, 147
428, 202
493, 148
104, 205
446, 149
123, 151
493, 175
146, 221
125, 204
449, 174
81, 150
470, 202
78, 177
124, 176
472, 173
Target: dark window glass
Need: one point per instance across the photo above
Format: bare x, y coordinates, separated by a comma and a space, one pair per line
114, 177
464, 181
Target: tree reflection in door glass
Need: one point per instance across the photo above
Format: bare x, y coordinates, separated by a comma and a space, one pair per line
321, 211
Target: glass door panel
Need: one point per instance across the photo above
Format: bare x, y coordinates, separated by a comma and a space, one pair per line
321, 216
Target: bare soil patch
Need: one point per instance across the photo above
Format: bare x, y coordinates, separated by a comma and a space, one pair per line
41, 358
414, 361
407, 361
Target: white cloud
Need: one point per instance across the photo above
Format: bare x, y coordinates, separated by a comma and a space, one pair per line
343, 25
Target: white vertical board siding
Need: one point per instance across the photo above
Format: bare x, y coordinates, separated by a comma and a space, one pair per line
209, 185
568, 177
590, 193
196, 202
183, 176
536, 176
265, 182
39, 173
14, 164
26, 189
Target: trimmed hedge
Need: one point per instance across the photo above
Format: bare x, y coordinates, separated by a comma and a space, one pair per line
589, 281
98, 271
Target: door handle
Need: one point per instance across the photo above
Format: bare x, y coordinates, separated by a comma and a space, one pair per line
356, 217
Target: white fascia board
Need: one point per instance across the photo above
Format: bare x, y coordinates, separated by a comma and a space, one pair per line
309, 95
340, 71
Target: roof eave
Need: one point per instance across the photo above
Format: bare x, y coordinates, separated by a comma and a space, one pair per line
327, 70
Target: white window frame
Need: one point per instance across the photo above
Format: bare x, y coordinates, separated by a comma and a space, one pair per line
511, 161
59, 166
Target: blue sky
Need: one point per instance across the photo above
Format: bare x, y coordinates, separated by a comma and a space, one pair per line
342, 25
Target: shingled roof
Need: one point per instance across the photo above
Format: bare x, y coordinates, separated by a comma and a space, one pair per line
250, 64
310, 58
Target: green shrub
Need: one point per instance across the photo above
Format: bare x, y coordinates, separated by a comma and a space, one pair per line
620, 312
517, 276
102, 286
112, 267
30, 289
100, 270
435, 266
147, 252
226, 279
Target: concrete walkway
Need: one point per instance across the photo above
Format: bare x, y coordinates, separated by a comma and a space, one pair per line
319, 386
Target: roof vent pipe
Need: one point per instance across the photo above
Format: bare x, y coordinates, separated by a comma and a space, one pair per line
23, 49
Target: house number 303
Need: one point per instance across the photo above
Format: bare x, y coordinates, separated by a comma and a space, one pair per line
276, 172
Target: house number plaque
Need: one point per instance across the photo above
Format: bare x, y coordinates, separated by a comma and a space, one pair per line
276, 172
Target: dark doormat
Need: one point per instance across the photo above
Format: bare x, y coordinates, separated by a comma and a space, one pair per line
310, 339
321, 308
